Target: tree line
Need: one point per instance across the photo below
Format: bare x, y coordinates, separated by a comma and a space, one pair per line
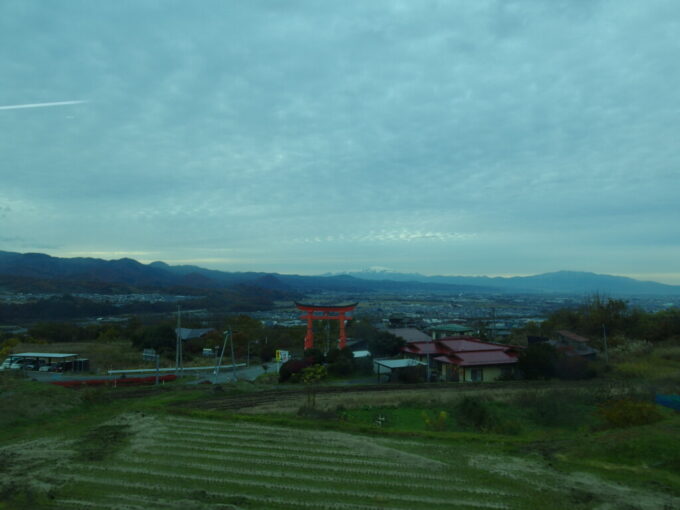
599, 316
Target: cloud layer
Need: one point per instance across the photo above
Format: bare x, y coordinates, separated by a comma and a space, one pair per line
301, 136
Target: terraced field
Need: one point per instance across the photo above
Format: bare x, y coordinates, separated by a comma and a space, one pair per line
159, 461
192, 463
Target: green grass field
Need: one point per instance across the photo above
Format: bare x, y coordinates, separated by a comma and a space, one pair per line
535, 448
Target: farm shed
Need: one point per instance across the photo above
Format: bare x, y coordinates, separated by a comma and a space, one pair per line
46, 361
390, 369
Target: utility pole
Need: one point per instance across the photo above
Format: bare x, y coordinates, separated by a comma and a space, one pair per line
233, 358
604, 336
227, 334
178, 345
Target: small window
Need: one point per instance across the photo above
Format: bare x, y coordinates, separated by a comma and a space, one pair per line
477, 375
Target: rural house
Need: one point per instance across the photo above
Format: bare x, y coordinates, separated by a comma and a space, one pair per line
568, 343
466, 359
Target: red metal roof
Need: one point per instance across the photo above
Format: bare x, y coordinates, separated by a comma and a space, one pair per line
467, 351
468, 359
471, 359
422, 348
469, 344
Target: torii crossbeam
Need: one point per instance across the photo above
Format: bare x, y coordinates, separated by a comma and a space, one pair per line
328, 312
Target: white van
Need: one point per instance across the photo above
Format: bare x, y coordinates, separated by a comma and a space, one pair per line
12, 363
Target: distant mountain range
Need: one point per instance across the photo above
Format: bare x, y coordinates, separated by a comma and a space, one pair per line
568, 282
41, 272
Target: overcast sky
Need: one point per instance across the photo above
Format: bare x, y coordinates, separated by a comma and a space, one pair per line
443, 137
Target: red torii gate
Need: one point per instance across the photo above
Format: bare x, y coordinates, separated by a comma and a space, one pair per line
338, 315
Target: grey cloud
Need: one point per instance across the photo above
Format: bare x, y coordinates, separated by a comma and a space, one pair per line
250, 123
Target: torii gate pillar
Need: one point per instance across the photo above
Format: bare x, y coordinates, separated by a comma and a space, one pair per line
338, 313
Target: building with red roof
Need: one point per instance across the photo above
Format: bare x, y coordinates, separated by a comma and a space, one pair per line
466, 359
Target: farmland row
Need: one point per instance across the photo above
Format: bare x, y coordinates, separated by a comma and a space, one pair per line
201, 463
127, 477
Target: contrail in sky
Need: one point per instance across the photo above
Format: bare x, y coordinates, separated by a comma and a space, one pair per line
39, 105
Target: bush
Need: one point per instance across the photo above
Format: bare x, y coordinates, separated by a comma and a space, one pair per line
314, 356
474, 412
341, 367
574, 368
437, 422
628, 413
554, 408
271, 378
479, 414
538, 361
290, 370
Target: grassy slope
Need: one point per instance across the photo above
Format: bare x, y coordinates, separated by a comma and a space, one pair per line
535, 449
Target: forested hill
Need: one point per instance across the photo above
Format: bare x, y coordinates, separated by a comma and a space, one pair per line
40, 272
565, 282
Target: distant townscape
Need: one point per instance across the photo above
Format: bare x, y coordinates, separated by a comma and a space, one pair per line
393, 387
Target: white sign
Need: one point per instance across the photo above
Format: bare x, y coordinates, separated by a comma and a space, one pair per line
282, 356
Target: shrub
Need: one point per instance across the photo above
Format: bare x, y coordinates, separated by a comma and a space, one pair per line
628, 413
480, 414
341, 367
314, 355
554, 408
437, 422
574, 368
312, 376
271, 378
538, 361
292, 368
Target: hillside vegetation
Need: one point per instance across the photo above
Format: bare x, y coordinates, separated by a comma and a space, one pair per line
517, 445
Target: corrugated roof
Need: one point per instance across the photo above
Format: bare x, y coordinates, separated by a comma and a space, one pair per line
398, 363
44, 355
361, 354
